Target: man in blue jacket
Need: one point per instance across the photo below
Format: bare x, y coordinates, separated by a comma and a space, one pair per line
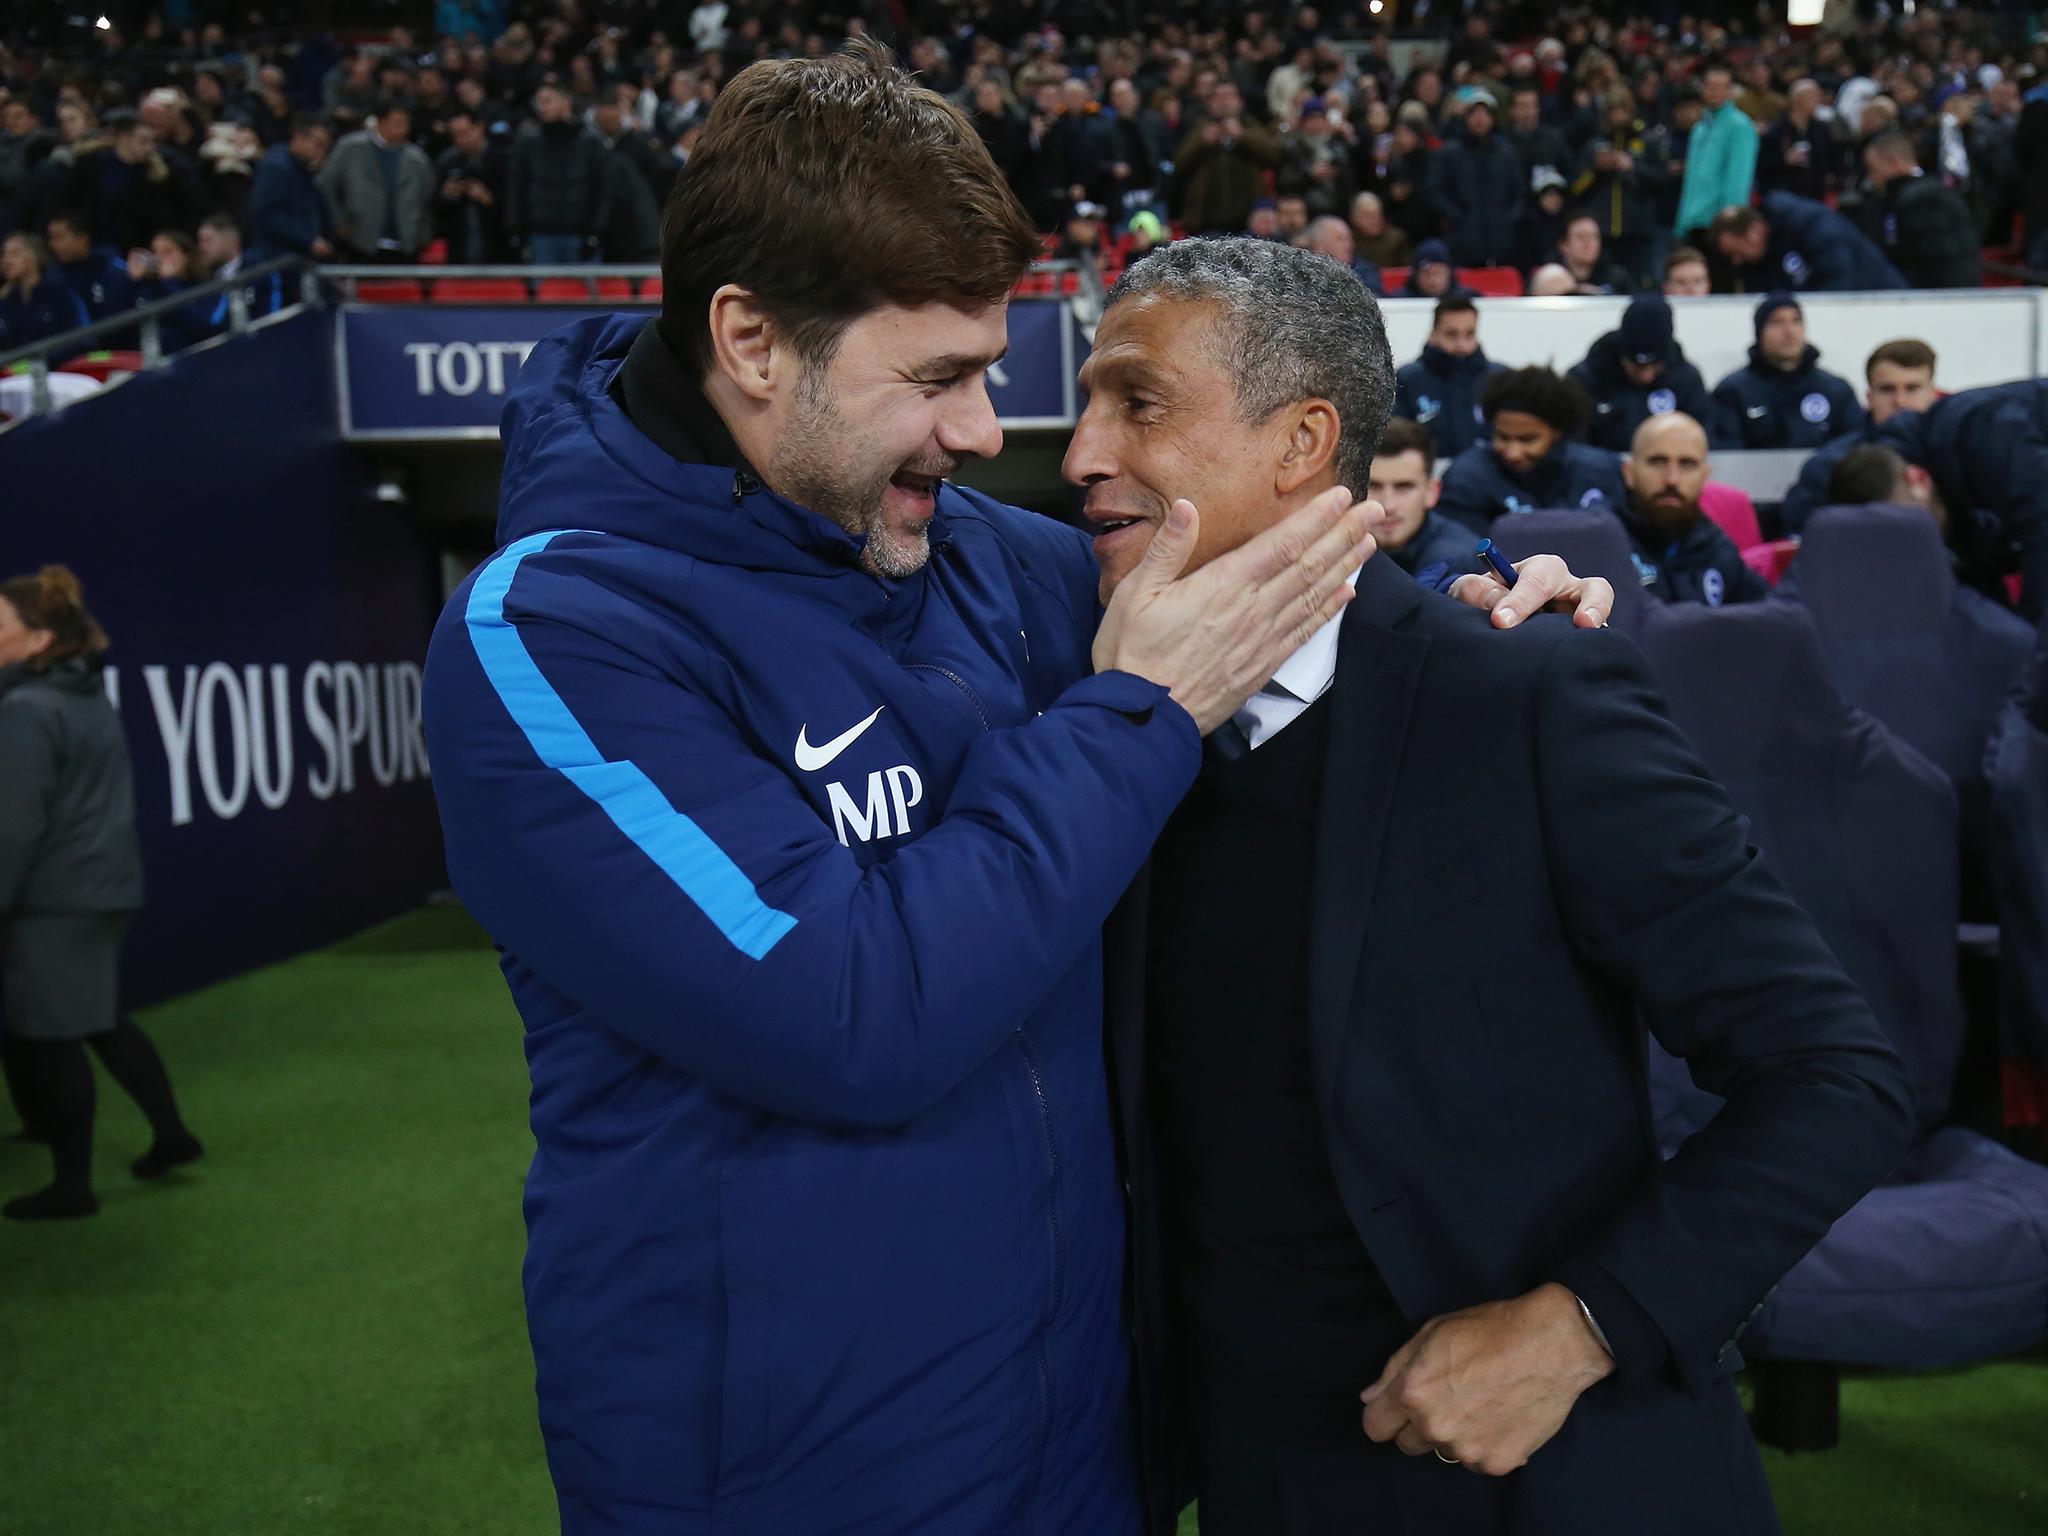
1798, 244
1783, 398
794, 783
1899, 376
1636, 371
1529, 460
1681, 554
96, 275
288, 213
1440, 389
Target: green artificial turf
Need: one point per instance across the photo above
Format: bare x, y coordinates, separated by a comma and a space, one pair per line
318, 1328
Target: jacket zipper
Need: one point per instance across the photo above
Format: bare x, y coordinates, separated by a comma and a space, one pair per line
1055, 1280
980, 710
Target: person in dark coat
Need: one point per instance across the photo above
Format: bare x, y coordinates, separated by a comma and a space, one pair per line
1681, 554
554, 193
1410, 530
1638, 371
1983, 458
1925, 229
1440, 389
1798, 245
1529, 461
96, 274
1431, 276
1477, 185
469, 195
127, 189
1898, 376
1797, 153
1535, 142
639, 174
1622, 181
168, 268
70, 879
35, 301
2030, 149
1783, 398
288, 214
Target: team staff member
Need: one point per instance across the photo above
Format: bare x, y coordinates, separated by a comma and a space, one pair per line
1898, 376
1369, 1217
1529, 461
1636, 371
794, 783
1440, 389
1681, 554
1404, 487
1783, 398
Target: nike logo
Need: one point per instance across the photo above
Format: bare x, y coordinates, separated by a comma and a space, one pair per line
810, 759
1757, 412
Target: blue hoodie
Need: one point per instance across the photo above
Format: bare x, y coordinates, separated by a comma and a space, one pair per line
797, 874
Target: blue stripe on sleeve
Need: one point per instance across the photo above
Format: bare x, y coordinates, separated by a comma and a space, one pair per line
698, 866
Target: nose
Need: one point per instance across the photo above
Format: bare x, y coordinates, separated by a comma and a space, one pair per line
1088, 456
971, 430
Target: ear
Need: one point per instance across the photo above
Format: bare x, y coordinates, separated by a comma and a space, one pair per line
1309, 446
1436, 489
1921, 481
744, 343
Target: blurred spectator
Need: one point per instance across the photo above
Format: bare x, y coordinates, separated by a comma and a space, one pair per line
638, 176
267, 108
1538, 146
1551, 281
554, 191
1797, 152
1637, 371
1580, 254
351, 86
167, 268
35, 301
96, 273
1622, 180
1401, 174
469, 199
1001, 128
1222, 164
1147, 232
1477, 186
1378, 241
1720, 154
1440, 390
1330, 236
1783, 398
24, 143
2030, 148
1136, 141
1263, 222
227, 165
1542, 223
125, 187
1899, 376
1081, 235
1317, 160
288, 214
1927, 232
1680, 553
1795, 244
1432, 276
381, 186
1405, 486
1760, 97
1685, 274
1528, 460
1290, 218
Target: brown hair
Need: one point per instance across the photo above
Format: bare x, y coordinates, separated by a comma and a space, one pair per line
1405, 436
52, 599
827, 187
1734, 221
1684, 256
1907, 353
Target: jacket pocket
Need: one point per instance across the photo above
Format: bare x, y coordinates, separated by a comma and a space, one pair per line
1437, 892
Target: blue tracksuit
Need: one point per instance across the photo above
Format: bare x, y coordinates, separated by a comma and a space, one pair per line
1813, 249
797, 875
1765, 406
51, 308
1809, 493
1442, 393
1477, 489
100, 282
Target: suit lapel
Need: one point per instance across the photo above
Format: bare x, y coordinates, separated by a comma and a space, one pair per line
1123, 965
1377, 669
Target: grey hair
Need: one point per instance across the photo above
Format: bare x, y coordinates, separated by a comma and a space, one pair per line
1293, 326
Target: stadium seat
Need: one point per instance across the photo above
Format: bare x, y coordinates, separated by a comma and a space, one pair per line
1770, 560
1035, 285
435, 255
2016, 769
1592, 544
480, 290
650, 289
1733, 513
390, 290
1492, 282
1394, 279
577, 290
104, 366
1947, 1261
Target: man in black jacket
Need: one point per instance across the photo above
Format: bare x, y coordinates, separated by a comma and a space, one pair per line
1440, 389
1681, 554
1783, 398
554, 194
1370, 1218
1636, 371
288, 214
1477, 184
1926, 230
469, 197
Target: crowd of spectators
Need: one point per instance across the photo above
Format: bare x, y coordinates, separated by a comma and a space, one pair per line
1576, 147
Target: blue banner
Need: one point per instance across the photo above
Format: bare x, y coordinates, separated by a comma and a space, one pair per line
423, 372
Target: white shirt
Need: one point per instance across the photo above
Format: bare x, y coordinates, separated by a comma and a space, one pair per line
1303, 678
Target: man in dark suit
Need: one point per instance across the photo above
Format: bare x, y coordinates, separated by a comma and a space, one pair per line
1376, 1016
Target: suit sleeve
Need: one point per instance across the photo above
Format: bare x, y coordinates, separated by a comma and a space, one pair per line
1661, 890
618, 835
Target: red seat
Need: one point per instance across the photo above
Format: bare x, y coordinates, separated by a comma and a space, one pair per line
435, 255
562, 290
1394, 279
1734, 512
1769, 560
104, 366
386, 290
650, 289
1494, 282
1035, 285
480, 290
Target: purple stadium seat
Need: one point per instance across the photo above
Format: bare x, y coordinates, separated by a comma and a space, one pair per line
2016, 768
1592, 544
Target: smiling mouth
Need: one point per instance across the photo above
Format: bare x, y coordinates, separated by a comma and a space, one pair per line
1115, 525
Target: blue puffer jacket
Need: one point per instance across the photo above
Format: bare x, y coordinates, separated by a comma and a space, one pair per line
798, 874
1765, 406
1441, 391
1477, 488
